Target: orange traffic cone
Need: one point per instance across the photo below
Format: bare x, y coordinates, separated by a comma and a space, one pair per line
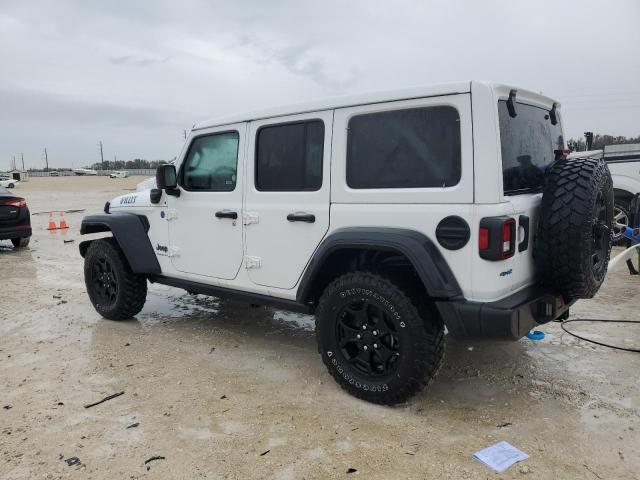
63, 223
52, 223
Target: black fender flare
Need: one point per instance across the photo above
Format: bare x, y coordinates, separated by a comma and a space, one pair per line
130, 231
432, 268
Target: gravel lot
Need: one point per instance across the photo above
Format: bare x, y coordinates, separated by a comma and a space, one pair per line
224, 390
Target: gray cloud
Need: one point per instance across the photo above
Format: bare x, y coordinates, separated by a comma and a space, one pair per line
140, 62
135, 74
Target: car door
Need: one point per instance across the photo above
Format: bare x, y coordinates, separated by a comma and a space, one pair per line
205, 226
287, 195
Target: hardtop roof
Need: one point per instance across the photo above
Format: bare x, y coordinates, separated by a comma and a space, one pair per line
340, 102
368, 98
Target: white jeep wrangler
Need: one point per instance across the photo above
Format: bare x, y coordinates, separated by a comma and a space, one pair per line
389, 216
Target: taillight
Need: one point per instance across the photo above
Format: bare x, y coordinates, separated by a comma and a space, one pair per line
483, 238
508, 240
497, 238
16, 202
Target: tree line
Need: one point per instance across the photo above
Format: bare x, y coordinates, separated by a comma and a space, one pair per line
599, 141
134, 164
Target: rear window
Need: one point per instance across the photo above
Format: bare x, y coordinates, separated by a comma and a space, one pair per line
527, 142
411, 148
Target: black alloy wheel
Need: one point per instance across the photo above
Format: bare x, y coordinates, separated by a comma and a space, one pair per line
368, 338
105, 281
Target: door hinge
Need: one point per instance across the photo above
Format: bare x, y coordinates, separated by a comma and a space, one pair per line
252, 262
250, 217
171, 214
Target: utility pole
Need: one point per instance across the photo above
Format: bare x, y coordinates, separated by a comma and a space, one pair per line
101, 155
22, 155
13, 163
46, 159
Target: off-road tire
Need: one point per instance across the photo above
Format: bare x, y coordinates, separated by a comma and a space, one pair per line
21, 242
420, 338
575, 227
130, 289
623, 207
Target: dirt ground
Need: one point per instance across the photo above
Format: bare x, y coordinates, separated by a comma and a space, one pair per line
225, 391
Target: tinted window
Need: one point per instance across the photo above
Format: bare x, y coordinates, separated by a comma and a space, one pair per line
412, 148
211, 163
289, 157
527, 143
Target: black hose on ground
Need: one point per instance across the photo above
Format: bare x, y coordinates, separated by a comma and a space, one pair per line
615, 347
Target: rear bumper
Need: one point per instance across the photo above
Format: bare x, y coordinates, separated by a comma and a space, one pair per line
509, 318
7, 233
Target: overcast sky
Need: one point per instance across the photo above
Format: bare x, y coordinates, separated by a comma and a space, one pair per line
134, 74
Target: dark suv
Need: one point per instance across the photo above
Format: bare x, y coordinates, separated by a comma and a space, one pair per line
15, 219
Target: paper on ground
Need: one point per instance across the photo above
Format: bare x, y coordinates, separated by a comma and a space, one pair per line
500, 456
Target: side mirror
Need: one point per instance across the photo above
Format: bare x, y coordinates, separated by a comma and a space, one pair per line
166, 178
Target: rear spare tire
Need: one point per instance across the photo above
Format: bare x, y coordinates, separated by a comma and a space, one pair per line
574, 231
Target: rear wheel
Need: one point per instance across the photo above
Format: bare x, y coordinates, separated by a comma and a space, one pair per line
11, 185
21, 242
620, 220
114, 290
374, 341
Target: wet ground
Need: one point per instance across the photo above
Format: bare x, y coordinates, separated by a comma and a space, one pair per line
221, 389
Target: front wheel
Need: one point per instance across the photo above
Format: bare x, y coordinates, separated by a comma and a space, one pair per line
114, 290
11, 185
374, 341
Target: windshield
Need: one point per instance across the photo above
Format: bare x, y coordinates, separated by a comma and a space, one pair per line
527, 141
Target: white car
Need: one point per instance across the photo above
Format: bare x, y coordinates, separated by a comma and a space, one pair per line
624, 164
9, 183
387, 215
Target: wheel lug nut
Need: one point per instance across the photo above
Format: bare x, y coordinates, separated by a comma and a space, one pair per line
375, 345
375, 332
365, 348
358, 336
364, 327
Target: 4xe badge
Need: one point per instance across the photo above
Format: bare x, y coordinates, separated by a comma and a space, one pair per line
128, 199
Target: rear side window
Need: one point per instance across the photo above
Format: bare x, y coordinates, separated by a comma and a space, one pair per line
211, 163
289, 157
527, 142
413, 148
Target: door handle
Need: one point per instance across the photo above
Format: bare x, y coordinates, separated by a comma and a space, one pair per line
227, 214
301, 217
524, 223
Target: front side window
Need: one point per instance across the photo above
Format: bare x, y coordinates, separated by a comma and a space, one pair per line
527, 141
289, 157
411, 148
211, 164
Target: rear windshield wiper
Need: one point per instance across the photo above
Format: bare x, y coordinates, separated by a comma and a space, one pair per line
511, 104
553, 115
